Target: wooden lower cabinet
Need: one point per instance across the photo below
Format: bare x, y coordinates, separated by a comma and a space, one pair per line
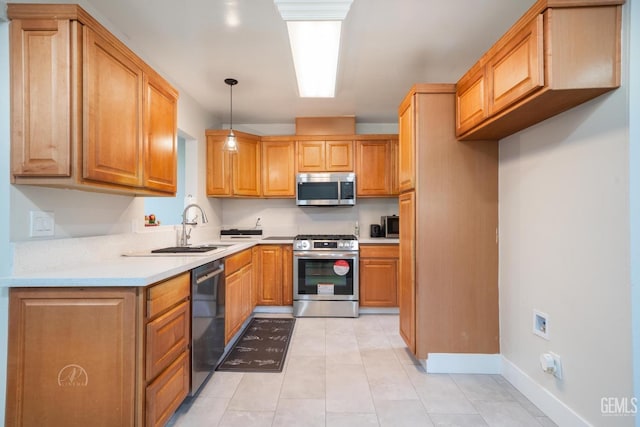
238, 292
166, 393
275, 275
98, 356
378, 275
72, 357
407, 269
287, 275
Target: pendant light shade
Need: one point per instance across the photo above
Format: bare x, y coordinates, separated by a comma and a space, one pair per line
230, 144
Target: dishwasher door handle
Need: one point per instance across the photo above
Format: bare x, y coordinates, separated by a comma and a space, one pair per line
200, 279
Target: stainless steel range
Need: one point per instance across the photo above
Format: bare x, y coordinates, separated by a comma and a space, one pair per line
325, 276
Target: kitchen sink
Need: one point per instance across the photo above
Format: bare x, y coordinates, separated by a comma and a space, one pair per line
187, 249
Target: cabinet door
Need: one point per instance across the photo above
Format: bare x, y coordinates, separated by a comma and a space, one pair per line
287, 275
112, 144
406, 175
270, 281
218, 168
233, 305
246, 167
256, 268
311, 156
72, 357
167, 337
247, 283
41, 97
395, 168
407, 268
471, 99
160, 155
339, 156
378, 282
517, 69
374, 168
167, 392
278, 169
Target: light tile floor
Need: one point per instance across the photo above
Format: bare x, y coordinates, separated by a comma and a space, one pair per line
355, 372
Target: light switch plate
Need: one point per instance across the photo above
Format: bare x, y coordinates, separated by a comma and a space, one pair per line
42, 224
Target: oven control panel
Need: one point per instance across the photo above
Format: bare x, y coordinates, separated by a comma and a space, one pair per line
325, 244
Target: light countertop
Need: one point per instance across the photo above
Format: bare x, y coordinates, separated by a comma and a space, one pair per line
121, 271
135, 270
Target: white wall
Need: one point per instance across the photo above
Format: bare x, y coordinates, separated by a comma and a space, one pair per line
634, 188
281, 217
564, 250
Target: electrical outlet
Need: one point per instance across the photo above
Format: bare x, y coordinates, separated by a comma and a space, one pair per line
541, 324
42, 224
551, 363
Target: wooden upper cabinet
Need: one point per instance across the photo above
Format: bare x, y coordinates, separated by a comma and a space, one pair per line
246, 167
278, 168
395, 170
86, 112
160, 137
517, 69
552, 59
339, 156
233, 174
406, 138
471, 99
218, 167
376, 165
311, 155
325, 156
41, 101
113, 120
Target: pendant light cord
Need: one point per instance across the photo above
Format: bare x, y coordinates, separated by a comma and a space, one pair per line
231, 82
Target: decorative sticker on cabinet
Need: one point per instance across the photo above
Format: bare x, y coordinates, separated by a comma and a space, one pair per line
73, 376
341, 267
325, 289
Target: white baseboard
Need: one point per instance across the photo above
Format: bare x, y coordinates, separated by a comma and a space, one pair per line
553, 407
463, 363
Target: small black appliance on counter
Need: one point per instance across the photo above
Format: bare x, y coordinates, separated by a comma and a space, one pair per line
376, 230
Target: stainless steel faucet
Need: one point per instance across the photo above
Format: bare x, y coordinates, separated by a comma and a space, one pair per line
184, 239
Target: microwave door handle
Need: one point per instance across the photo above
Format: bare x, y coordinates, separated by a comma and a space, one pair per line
339, 190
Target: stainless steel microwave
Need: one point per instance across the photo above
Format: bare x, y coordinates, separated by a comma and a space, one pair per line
326, 189
390, 226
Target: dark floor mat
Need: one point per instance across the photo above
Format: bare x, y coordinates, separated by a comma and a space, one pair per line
262, 347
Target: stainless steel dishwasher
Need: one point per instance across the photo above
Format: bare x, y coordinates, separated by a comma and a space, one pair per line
207, 321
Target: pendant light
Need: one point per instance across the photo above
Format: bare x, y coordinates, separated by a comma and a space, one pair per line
230, 144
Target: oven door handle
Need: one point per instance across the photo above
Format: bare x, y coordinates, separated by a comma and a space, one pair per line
320, 254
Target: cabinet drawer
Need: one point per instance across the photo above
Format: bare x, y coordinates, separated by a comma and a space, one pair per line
379, 251
167, 392
166, 294
167, 337
237, 261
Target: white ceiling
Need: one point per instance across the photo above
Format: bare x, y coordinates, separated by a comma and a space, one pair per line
387, 46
